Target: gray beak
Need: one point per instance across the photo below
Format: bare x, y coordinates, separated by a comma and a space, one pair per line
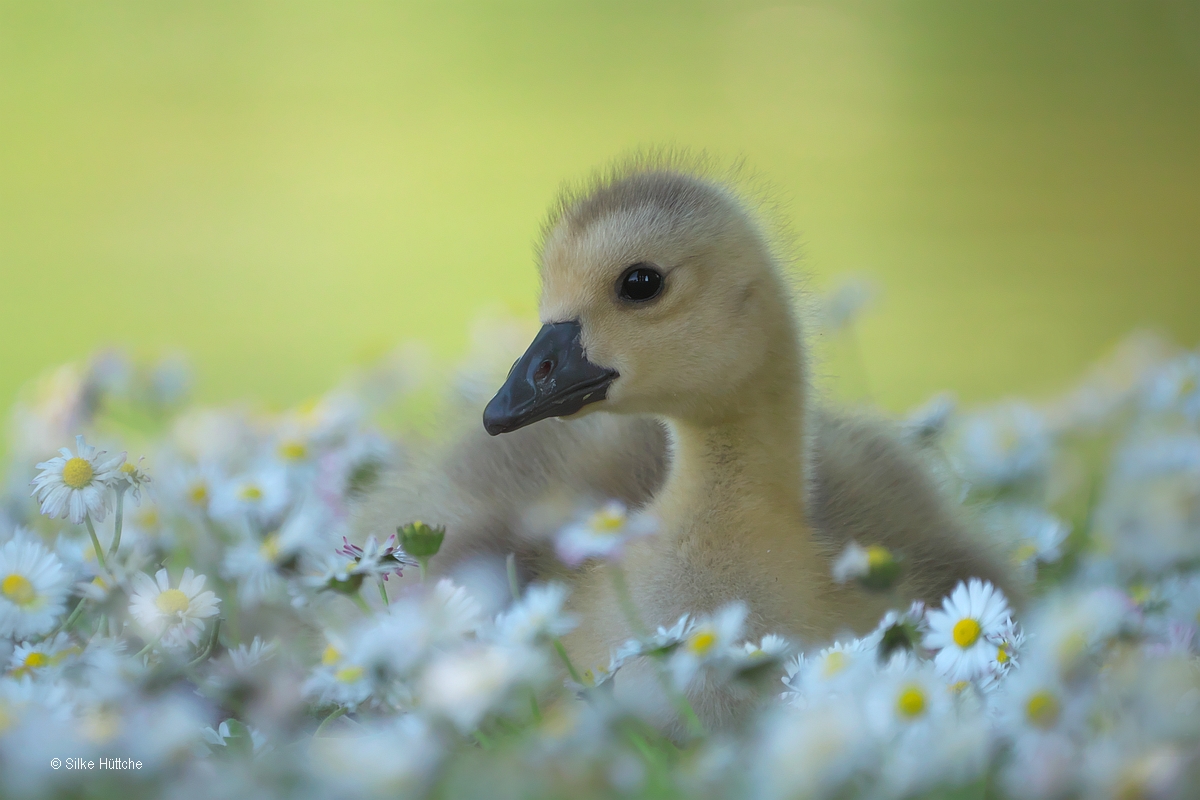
553, 379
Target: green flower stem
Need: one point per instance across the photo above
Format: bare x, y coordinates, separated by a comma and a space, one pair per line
70, 620
625, 599
87, 518
533, 707
118, 523
562, 654
360, 602
208, 647
383, 593
334, 715
423, 566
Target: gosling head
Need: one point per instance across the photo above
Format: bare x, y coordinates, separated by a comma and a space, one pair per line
659, 296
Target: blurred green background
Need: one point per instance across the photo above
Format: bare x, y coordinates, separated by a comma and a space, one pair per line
281, 189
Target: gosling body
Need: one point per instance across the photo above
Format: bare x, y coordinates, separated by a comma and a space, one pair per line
709, 426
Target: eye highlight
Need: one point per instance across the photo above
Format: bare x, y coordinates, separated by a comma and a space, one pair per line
640, 283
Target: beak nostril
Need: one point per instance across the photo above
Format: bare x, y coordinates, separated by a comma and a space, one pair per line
543, 370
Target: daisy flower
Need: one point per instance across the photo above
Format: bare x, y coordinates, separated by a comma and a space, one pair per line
465, 685
1009, 643
261, 497
33, 588
707, 643
1176, 387
662, 642
538, 615
602, 534
1004, 445
74, 485
874, 567
132, 477
964, 628
375, 559
35, 659
835, 670
904, 696
177, 615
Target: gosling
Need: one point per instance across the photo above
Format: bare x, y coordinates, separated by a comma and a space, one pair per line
670, 343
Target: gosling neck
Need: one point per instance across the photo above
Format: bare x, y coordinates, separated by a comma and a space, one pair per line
752, 451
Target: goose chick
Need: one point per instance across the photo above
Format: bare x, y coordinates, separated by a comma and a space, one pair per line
664, 304
661, 296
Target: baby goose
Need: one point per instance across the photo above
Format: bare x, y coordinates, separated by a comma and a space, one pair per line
662, 299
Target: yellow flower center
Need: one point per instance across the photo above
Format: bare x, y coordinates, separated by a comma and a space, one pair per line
330, 656
147, 518
78, 472
250, 492
966, 632
18, 589
1042, 709
958, 687
835, 662
607, 521
590, 676
878, 557
269, 549
198, 494
1073, 646
35, 660
172, 601
1002, 654
293, 451
701, 642
348, 674
911, 702
128, 468
1024, 553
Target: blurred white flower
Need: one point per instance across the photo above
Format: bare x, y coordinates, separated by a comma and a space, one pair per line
841, 668
1033, 535
132, 477
245, 658
963, 629
465, 685
390, 758
33, 588
1176, 387
260, 497
74, 485
536, 616
39, 659
1003, 445
711, 640
222, 735
177, 615
602, 534
811, 752
906, 694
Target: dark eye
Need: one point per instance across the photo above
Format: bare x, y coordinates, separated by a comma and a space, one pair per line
640, 283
